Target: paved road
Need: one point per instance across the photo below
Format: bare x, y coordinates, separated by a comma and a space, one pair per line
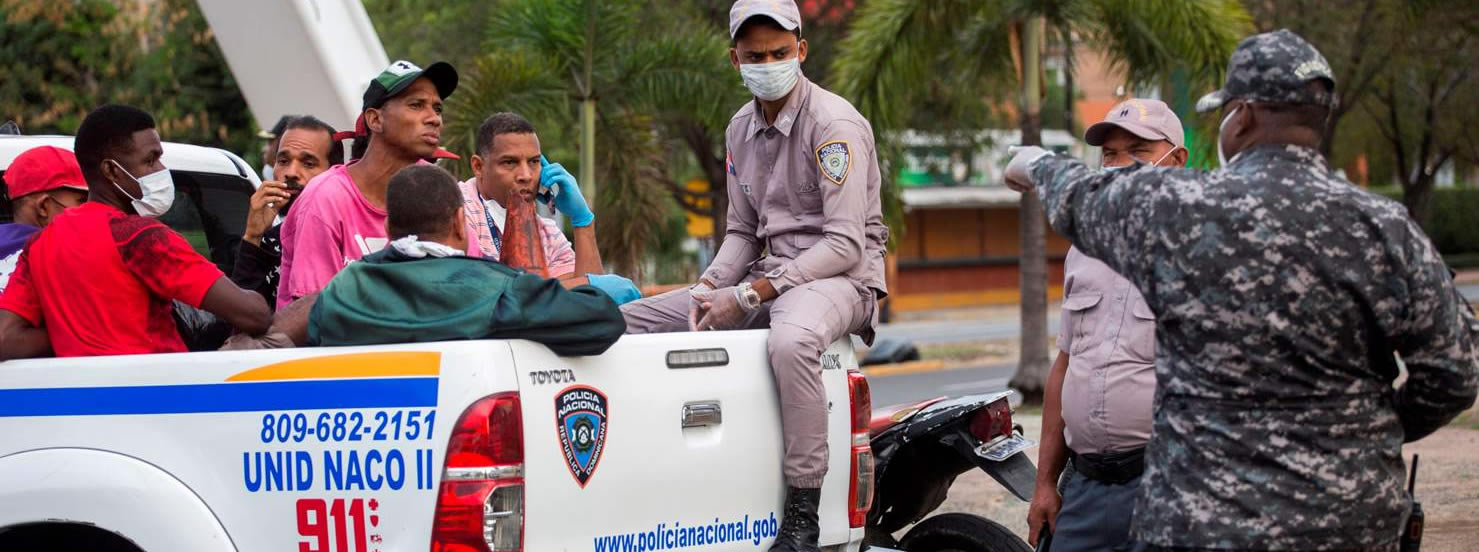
951, 331
905, 388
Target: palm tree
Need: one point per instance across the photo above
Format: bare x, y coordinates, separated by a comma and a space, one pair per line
896, 47
622, 79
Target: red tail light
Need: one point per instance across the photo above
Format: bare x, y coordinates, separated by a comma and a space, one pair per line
480, 504
860, 491
993, 421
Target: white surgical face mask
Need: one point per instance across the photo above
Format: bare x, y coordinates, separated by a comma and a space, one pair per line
1222, 157
158, 191
771, 81
1155, 163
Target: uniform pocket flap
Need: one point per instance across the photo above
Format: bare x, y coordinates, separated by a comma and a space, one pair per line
1142, 311
1081, 302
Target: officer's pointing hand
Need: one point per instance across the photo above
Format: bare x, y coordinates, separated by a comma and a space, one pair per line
725, 309
558, 187
1018, 175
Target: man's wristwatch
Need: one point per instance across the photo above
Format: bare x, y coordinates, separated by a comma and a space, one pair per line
749, 299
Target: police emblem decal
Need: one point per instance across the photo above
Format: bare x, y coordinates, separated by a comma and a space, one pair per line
580, 418
834, 160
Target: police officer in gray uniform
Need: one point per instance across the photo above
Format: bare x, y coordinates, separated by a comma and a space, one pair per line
1281, 294
803, 254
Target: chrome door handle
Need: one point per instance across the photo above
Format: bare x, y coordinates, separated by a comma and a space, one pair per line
702, 413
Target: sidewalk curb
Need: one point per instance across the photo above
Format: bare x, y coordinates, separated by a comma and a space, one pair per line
916, 367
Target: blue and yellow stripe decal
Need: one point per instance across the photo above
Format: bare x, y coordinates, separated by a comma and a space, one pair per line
399, 379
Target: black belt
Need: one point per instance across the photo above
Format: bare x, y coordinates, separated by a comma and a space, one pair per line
1113, 468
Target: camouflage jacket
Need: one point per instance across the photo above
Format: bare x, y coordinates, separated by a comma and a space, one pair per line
1281, 293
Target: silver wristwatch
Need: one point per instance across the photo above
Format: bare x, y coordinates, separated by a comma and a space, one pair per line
748, 297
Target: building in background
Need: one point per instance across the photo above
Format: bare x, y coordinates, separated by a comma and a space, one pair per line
960, 244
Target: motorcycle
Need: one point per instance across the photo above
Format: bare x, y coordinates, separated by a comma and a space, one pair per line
918, 452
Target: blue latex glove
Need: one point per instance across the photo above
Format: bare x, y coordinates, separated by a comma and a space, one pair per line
557, 187
620, 289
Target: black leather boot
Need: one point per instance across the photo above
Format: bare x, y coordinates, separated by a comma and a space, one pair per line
799, 529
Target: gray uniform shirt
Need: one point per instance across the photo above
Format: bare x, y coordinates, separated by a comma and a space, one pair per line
806, 190
1281, 292
1109, 335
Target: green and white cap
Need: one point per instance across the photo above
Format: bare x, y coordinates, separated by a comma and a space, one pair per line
400, 74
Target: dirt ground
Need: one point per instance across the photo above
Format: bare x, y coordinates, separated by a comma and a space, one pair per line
1447, 486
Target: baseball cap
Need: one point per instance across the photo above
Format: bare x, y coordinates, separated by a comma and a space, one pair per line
42, 169
1148, 119
782, 11
1273, 67
400, 74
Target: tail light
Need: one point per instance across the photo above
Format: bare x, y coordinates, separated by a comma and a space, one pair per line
993, 421
860, 492
480, 504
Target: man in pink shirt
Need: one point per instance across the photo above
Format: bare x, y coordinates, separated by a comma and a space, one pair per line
340, 217
508, 161
1097, 405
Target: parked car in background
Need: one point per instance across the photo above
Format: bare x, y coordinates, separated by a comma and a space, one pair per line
213, 188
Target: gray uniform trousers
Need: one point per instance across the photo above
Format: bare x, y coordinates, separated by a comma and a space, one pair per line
1095, 516
803, 322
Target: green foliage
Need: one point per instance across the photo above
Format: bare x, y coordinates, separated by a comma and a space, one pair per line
541, 58
59, 60
1450, 222
424, 31
947, 65
203, 105
62, 59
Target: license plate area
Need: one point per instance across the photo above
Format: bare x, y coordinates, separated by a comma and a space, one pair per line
1004, 447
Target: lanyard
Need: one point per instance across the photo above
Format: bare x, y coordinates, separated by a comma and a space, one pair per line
492, 228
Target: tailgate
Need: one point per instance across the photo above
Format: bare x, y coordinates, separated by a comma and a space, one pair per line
658, 445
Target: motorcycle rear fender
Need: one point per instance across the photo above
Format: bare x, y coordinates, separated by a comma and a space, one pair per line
1016, 473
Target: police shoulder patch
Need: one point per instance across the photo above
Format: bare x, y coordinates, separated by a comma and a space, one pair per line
834, 159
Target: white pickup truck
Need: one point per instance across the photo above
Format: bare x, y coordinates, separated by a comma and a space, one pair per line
665, 442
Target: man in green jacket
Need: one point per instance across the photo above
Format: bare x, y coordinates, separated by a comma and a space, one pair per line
422, 288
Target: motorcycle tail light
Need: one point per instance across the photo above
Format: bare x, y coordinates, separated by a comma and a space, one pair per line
995, 420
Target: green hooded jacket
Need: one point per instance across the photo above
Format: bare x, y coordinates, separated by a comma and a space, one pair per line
391, 297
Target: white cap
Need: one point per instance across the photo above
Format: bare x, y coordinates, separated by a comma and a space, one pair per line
782, 11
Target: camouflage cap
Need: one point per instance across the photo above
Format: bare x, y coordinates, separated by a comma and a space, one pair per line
1273, 67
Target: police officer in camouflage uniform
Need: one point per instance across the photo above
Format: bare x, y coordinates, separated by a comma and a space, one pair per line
803, 253
1281, 293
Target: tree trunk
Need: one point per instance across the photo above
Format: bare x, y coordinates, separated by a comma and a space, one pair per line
1068, 88
1417, 196
701, 143
588, 149
1032, 364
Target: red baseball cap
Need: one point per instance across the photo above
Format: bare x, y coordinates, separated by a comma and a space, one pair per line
41, 169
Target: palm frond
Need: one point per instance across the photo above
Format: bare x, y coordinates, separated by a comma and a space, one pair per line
1149, 39
889, 53
515, 81
632, 198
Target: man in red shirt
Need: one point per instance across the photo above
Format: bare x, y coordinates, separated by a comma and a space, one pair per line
100, 278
